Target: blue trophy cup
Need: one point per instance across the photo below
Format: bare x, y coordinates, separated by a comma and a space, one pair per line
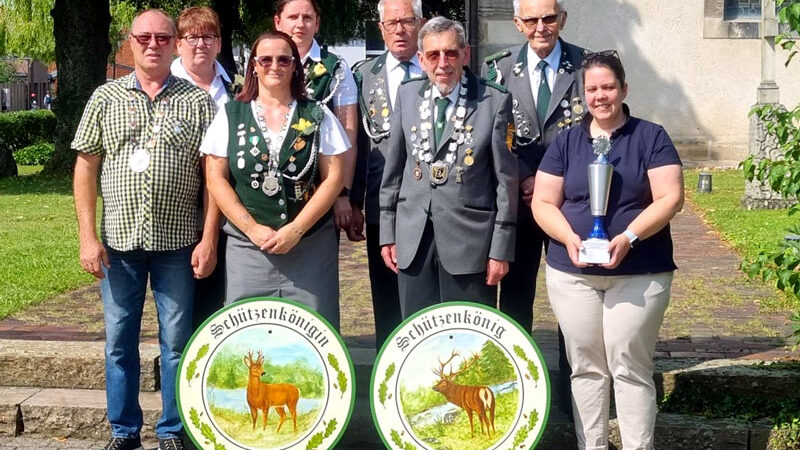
595, 247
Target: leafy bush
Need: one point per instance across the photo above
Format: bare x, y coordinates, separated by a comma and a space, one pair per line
781, 266
35, 154
23, 128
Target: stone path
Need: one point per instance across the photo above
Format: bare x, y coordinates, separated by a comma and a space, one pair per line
715, 312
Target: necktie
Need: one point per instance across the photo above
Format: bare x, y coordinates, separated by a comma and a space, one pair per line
406, 70
441, 109
544, 93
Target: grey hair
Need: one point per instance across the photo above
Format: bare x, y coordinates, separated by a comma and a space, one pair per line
559, 3
157, 11
416, 5
439, 25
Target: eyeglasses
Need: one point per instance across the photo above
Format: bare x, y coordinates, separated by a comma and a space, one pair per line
407, 23
434, 55
266, 61
532, 22
590, 58
144, 39
193, 39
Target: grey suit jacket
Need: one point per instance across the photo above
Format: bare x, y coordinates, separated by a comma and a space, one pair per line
373, 134
472, 220
531, 138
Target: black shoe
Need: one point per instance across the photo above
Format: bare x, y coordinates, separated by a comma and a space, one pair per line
119, 443
170, 444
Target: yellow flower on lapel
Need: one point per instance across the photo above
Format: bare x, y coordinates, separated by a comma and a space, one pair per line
319, 70
304, 126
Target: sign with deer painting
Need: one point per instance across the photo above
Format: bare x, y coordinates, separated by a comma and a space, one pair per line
461, 376
265, 373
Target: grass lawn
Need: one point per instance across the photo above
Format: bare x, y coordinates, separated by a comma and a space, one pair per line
39, 236
749, 232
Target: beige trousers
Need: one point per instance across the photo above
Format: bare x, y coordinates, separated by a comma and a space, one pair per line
610, 326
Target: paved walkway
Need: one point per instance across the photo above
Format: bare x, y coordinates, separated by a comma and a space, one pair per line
715, 312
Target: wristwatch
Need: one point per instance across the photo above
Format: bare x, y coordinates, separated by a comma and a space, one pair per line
631, 236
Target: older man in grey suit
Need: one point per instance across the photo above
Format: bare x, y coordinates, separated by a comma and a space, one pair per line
544, 77
448, 196
378, 80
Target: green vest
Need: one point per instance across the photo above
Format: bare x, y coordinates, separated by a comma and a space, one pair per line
319, 87
282, 207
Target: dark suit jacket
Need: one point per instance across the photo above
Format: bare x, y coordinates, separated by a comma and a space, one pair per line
531, 138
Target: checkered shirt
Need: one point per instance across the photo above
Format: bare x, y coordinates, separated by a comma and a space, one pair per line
157, 209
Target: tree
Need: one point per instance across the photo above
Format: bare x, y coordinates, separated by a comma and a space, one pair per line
781, 266
81, 58
28, 29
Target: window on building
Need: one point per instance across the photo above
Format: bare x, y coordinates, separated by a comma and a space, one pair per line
742, 9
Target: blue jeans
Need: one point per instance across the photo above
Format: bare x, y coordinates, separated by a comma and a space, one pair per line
123, 288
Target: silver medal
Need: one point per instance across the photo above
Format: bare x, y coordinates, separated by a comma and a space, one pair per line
291, 167
139, 160
271, 186
240, 163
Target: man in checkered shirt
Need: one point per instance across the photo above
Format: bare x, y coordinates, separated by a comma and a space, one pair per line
142, 134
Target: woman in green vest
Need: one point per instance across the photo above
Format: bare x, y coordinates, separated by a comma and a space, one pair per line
328, 80
275, 167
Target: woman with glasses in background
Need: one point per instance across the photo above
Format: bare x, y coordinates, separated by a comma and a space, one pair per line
275, 168
328, 79
198, 46
610, 313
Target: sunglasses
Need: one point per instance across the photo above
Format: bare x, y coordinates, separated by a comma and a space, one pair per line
144, 39
280, 60
531, 22
434, 55
589, 58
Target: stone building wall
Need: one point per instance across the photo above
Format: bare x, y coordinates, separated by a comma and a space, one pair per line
687, 68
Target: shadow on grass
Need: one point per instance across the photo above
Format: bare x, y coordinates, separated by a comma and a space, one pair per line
36, 184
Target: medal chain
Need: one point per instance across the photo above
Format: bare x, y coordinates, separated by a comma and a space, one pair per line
273, 148
422, 150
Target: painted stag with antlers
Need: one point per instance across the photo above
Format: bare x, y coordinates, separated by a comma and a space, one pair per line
479, 399
262, 395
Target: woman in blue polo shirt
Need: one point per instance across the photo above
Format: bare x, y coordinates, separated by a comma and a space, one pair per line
611, 313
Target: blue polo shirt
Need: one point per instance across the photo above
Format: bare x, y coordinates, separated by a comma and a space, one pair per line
636, 147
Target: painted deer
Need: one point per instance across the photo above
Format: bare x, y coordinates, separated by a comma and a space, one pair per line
479, 399
262, 395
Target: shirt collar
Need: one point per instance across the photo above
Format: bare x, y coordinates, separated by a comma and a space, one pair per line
133, 83
392, 62
315, 52
179, 70
553, 59
587, 122
453, 96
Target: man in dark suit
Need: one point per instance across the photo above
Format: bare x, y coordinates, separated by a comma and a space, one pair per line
544, 77
448, 196
378, 80
542, 107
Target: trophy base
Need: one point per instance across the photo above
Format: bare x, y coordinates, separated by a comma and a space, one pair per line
595, 251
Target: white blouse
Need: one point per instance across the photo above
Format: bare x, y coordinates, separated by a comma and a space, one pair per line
333, 139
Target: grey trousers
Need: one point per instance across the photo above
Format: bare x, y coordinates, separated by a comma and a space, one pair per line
308, 273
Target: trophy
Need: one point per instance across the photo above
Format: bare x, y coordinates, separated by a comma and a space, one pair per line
595, 248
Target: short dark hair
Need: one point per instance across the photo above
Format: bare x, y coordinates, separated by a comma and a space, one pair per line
608, 59
282, 4
250, 90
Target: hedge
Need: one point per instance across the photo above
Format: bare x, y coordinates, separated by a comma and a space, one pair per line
36, 154
21, 129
